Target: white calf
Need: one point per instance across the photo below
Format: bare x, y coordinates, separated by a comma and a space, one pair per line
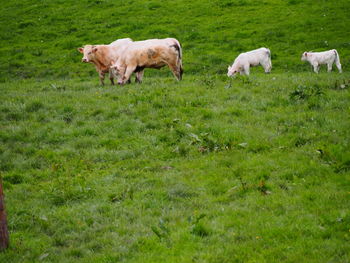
317, 59
244, 61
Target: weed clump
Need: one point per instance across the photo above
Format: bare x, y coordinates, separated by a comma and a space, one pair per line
197, 227
34, 106
313, 95
14, 179
306, 92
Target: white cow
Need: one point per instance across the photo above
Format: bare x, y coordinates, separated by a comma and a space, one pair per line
317, 59
242, 64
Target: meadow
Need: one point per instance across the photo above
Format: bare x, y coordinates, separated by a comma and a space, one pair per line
203, 170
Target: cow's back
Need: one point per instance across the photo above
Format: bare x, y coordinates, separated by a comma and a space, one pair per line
121, 42
149, 53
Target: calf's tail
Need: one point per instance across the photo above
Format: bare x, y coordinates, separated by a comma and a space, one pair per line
268, 52
336, 56
337, 60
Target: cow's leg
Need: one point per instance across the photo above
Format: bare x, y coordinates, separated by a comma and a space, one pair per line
129, 70
175, 70
121, 72
111, 76
139, 76
329, 67
316, 67
178, 71
102, 77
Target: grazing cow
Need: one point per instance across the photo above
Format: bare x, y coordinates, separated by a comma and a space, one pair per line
316, 59
152, 53
102, 56
252, 58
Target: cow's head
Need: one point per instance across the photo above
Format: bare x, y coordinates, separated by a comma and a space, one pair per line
115, 67
88, 52
304, 56
231, 71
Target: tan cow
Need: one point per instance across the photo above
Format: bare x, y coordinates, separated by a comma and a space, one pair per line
152, 53
102, 56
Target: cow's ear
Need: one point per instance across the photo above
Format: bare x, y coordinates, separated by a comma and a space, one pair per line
81, 50
305, 54
94, 49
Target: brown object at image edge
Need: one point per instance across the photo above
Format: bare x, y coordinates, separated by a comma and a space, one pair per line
4, 234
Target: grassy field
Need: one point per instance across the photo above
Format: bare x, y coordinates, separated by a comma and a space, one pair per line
39, 38
203, 170
195, 171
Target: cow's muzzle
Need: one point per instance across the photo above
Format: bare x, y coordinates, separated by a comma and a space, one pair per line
85, 60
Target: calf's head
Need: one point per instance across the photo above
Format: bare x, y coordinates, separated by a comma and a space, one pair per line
304, 56
88, 52
232, 71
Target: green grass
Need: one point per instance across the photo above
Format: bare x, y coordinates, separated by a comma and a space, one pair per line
203, 170
39, 39
194, 171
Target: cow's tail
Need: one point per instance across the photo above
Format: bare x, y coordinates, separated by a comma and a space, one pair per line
337, 60
178, 48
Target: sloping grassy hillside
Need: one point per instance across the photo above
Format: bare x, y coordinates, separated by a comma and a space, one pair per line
203, 170
178, 172
39, 38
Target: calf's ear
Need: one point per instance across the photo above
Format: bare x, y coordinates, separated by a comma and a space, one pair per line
81, 50
94, 49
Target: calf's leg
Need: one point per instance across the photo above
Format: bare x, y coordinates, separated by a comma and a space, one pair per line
329, 67
246, 69
337, 63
